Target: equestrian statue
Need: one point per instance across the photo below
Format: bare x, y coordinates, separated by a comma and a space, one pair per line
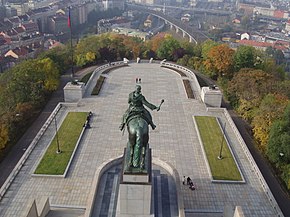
137, 118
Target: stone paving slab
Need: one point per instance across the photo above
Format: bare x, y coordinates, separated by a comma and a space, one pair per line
174, 140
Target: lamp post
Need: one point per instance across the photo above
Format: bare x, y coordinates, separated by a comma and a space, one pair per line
222, 142
58, 151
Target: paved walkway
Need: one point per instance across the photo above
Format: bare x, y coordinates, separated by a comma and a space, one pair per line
174, 141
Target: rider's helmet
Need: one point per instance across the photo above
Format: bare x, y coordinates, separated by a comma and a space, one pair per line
138, 88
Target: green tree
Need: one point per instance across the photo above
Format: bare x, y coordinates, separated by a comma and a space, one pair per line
276, 54
279, 139
245, 57
245, 22
191, 49
184, 60
167, 48
195, 63
206, 47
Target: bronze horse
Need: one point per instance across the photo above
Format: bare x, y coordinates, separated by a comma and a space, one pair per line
138, 131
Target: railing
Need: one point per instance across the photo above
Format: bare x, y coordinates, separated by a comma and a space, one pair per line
30, 148
186, 70
101, 68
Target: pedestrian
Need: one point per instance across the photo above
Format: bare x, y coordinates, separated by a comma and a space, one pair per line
191, 185
136, 80
188, 180
184, 180
139, 80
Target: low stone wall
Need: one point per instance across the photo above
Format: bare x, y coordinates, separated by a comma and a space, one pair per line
102, 68
184, 70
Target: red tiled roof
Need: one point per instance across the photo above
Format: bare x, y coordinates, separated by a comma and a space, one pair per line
19, 29
14, 20
262, 44
11, 32
30, 25
278, 14
20, 51
255, 43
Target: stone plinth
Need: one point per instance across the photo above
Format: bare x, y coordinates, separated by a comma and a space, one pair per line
135, 193
211, 96
74, 92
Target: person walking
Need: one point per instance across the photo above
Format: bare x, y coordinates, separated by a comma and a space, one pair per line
184, 180
188, 180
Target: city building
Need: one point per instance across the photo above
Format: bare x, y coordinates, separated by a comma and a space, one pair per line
120, 4
58, 24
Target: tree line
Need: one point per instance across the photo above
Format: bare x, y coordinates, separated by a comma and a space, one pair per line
254, 82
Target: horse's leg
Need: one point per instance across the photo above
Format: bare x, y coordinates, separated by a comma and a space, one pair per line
144, 147
137, 147
132, 138
143, 152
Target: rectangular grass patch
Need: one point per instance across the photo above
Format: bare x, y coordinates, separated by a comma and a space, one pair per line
212, 139
98, 86
68, 135
188, 89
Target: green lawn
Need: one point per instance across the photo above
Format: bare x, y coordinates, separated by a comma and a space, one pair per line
211, 136
68, 134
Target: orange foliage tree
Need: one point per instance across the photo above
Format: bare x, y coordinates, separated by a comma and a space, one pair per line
220, 60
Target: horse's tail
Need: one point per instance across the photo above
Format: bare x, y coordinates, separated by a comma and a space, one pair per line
138, 147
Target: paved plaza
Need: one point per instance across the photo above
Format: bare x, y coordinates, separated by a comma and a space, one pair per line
174, 141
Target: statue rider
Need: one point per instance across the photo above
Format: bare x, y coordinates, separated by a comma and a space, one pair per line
136, 101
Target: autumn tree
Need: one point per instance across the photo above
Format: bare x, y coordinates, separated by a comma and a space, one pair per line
51, 73
60, 56
4, 135
133, 46
88, 46
247, 89
206, 47
154, 43
220, 60
271, 108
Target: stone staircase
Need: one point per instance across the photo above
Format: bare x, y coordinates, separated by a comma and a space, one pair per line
164, 202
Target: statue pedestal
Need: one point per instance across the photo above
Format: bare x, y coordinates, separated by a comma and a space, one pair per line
211, 96
135, 193
74, 92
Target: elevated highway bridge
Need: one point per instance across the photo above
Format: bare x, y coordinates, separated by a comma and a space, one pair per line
194, 35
